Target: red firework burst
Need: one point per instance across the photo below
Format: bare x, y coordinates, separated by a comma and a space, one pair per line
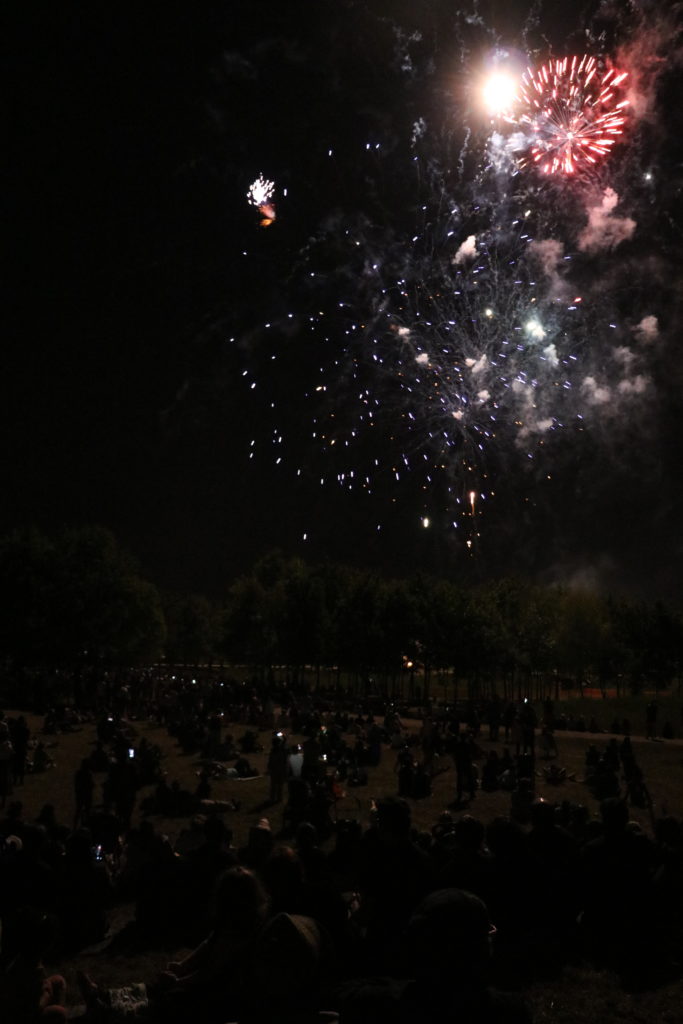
574, 111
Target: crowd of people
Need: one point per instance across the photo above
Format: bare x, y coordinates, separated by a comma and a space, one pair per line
314, 918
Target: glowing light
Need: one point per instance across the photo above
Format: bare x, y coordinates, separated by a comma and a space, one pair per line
260, 194
260, 191
574, 111
535, 329
426, 522
499, 92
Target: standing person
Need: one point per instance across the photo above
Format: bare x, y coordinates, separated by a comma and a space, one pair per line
529, 722
20, 735
509, 715
463, 756
428, 740
651, 720
6, 756
517, 734
84, 784
405, 769
278, 764
548, 742
494, 715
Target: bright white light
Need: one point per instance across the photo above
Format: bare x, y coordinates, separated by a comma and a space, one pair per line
535, 330
260, 191
499, 92
425, 522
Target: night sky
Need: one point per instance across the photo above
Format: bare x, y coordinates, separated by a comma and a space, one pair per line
187, 377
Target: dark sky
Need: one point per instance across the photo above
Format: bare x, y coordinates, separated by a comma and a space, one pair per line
138, 365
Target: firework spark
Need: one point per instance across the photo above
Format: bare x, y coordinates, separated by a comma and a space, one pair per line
260, 195
260, 191
574, 111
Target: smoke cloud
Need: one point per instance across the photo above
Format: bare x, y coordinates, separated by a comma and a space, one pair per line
638, 386
604, 229
467, 251
479, 365
595, 393
548, 252
647, 330
550, 353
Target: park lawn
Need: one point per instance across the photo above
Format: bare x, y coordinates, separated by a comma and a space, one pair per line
582, 994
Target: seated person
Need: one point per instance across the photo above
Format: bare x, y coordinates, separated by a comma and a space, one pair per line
554, 774
244, 769
447, 954
210, 984
27, 993
41, 760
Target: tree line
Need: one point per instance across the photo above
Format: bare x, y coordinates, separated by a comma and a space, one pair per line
77, 597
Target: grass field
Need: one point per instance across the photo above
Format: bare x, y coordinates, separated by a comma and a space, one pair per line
581, 995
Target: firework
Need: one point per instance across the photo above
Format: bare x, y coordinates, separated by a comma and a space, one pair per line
447, 359
260, 195
483, 360
574, 111
260, 191
499, 92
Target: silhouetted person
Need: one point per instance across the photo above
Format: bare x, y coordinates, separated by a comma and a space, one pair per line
6, 757
277, 769
27, 993
84, 891
84, 785
616, 890
20, 734
394, 876
465, 772
446, 954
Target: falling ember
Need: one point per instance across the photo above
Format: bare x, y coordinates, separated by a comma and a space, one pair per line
473, 498
574, 111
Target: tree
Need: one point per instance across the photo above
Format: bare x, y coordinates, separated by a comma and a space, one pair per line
76, 597
191, 628
582, 637
246, 630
